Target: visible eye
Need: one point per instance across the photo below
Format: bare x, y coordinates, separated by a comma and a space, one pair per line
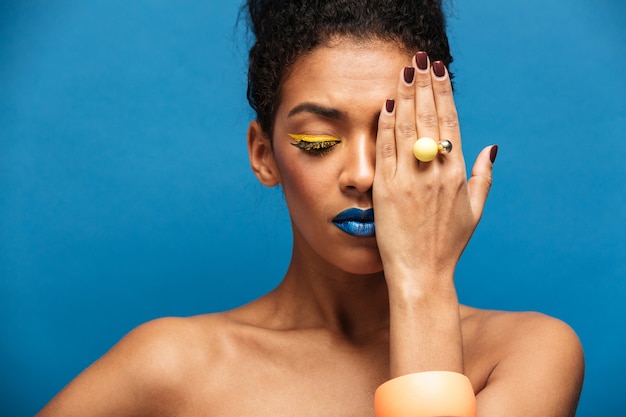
314, 144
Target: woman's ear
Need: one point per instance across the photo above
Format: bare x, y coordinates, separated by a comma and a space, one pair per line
262, 156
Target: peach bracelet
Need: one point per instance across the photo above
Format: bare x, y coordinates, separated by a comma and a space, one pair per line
426, 394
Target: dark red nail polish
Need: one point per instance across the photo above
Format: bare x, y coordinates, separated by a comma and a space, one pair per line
421, 58
389, 105
409, 74
439, 69
493, 153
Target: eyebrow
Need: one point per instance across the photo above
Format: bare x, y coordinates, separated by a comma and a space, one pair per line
326, 112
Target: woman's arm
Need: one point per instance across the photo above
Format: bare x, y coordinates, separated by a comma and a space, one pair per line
425, 216
137, 377
540, 371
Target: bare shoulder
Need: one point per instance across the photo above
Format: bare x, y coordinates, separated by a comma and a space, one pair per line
151, 368
162, 348
536, 362
173, 338
519, 330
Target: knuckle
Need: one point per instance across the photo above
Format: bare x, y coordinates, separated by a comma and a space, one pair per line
423, 82
427, 119
457, 174
444, 90
386, 124
406, 129
406, 95
488, 180
449, 119
387, 150
429, 184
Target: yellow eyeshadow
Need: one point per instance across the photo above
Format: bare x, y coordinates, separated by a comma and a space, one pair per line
314, 144
313, 138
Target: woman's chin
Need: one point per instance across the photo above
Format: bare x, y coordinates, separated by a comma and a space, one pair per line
367, 266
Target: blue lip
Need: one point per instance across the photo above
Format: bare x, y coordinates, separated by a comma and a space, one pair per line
356, 222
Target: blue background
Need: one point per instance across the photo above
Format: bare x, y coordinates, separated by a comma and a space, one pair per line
125, 191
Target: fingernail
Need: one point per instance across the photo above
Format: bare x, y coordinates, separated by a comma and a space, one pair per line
389, 105
421, 58
493, 153
439, 69
409, 74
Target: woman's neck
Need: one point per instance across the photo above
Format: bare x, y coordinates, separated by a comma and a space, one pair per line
316, 294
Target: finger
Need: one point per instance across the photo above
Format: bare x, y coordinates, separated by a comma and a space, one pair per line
406, 129
479, 183
386, 141
447, 117
425, 109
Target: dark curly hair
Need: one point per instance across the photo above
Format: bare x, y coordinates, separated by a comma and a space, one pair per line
284, 30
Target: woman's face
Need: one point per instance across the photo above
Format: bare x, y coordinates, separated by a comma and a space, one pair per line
330, 103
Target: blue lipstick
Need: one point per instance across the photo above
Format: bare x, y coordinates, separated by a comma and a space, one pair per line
356, 222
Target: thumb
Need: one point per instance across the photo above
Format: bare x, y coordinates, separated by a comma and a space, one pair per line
480, 182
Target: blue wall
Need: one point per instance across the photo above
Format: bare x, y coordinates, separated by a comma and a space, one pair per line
125, 192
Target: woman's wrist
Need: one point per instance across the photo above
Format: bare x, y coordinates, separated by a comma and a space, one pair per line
414, 284
425, 334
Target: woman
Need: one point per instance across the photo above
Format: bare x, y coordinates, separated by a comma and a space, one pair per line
343, 89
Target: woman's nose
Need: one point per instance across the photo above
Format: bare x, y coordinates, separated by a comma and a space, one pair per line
359, 165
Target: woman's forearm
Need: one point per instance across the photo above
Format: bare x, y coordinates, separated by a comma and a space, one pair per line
425, 326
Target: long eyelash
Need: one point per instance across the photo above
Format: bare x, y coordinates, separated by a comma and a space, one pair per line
317, 145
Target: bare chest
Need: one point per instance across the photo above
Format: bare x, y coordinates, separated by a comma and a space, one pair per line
259, 378
302, 382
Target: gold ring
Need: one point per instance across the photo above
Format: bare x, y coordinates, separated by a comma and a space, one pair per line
426, 149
